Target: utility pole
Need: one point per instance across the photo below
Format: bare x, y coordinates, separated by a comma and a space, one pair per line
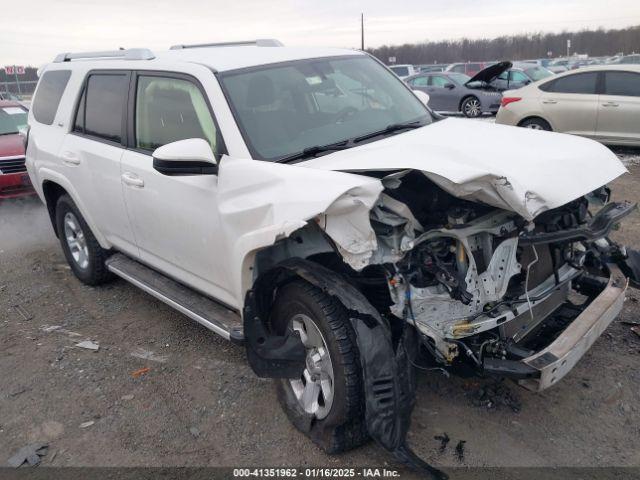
362, 31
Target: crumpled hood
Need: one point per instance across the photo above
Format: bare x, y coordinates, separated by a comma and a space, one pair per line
526, 171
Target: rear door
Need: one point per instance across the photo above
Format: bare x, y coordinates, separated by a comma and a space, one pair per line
619, 108
570, 103
91, 153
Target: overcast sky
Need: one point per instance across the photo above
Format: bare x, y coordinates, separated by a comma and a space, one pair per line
34, 34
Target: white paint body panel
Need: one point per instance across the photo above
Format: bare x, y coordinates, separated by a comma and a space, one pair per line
516, 169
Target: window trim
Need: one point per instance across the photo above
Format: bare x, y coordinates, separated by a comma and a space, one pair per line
123, 123
604, 82
131, 108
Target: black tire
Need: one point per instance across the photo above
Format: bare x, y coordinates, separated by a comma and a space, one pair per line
536, 124
471, 107
94, 270
344, 427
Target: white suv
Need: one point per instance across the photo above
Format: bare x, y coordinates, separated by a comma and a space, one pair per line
306, 203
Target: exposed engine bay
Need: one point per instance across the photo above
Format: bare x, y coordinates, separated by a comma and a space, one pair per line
482, 285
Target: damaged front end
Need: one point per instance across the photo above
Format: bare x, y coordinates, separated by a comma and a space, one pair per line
481, 274
485, 288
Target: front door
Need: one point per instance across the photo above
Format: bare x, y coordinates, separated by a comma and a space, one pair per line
175, 218
570, 103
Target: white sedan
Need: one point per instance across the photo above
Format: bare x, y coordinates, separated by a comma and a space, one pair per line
602, 103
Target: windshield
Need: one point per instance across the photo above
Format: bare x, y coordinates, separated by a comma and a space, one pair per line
12, 119
537, 73
286, 108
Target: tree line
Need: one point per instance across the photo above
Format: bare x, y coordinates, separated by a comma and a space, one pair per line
595, 43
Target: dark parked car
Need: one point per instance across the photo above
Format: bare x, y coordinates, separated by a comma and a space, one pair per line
457, 92
519, 75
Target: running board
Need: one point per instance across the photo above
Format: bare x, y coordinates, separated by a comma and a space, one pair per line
207, 312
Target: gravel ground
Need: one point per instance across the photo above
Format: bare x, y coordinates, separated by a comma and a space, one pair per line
163, 391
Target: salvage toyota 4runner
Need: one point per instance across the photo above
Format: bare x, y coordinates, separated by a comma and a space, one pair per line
309, 205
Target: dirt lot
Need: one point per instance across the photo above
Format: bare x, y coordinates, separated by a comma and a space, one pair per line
199, 404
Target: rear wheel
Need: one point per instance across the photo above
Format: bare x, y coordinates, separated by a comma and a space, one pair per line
326, 403
83, 252
471, 107
536, 124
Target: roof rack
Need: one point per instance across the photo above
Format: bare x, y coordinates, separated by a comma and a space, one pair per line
128, 54
261, 42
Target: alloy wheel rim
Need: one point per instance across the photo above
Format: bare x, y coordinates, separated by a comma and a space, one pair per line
76, 240
534, 126
314, 390
472, 108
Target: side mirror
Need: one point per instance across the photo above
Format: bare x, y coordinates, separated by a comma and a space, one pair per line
192, 156
422, 96
449, 86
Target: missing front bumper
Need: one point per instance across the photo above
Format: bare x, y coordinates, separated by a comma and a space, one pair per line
556, 360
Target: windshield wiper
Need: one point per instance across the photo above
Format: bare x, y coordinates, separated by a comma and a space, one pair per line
9, 133
315, 150
394, 127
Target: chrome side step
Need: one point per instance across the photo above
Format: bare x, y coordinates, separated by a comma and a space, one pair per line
205, 311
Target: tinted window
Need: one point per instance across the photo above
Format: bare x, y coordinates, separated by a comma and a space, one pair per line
579, 83
50, 90
171, 109
622, 83
401, 71
101, 106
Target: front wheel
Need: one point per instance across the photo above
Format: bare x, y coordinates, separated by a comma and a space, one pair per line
83, 252
471, 107
326, 403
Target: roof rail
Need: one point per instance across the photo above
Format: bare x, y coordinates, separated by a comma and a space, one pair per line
128, 54
260, 42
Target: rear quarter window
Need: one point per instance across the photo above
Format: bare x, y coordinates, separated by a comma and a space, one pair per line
48, 95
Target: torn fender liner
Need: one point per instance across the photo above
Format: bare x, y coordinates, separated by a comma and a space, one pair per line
389, 379
271, 356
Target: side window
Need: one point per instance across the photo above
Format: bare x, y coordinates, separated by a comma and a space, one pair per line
420, 81
438, 81
100, 110
622, 83
579, 83
50, 90
168, 110
518, 77
459, 69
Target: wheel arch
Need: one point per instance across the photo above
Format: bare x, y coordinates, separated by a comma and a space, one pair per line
536, 117
53, 187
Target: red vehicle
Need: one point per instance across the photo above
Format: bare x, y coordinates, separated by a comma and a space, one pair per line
14, 181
